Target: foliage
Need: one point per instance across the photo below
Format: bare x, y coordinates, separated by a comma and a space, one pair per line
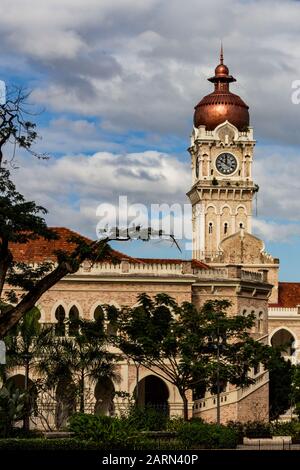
15, 128
69, 361
32, 444
280, 385
287, 428
110, 432
195, 435
25, 344
20, 222
123, 434
296, 430
175, 423
257, 429
12, 408
186, 346
295, 389
147, 418
239, 428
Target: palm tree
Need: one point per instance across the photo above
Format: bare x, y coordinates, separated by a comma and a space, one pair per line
25, 344
72, 361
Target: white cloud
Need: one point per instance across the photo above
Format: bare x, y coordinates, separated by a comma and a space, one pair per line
143, 65
275, 232
72, 187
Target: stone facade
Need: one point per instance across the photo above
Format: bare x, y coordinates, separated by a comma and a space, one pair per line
221, 204
228, 263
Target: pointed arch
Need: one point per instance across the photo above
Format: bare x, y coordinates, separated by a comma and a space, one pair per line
60, 321
73, 321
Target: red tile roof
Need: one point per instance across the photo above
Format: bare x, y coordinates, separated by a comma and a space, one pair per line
39, 250
288, 295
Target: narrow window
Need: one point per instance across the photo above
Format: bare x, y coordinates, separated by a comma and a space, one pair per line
225, 227
60, 327
73, 321
210, 227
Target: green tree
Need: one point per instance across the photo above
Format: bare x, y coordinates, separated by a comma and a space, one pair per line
189, 346
12, 407
20, 222
25, 344
295, 389
72, 361
280, 385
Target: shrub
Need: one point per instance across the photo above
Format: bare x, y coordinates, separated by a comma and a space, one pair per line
12, 406
296, 430
195, 435
284, 429
175, 423
147, 419
257, 429
46, 444
110, 432
239, 428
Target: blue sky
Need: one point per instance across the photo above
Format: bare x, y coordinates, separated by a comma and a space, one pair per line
115, 84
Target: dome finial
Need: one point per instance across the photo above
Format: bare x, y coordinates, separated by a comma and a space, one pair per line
221, 54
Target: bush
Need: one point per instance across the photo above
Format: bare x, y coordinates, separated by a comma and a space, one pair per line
257, 429
147, 419
46, 444
175, 423
21, 433
112, 433
239, 428
195, 435
284, 429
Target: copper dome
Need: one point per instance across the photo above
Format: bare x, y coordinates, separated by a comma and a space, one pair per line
221, 104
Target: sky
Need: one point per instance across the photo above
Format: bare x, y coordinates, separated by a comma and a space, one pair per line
113, 86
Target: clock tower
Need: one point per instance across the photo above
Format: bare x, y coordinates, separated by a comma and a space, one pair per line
221, 151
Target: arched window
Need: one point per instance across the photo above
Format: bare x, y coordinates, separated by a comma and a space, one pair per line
99, 314
99, 318
253, 329
73, 321
225, 228
210, 227
60, 327
241, 225
197, 167
260, 322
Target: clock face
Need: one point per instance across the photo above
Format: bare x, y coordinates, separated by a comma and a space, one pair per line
226, 163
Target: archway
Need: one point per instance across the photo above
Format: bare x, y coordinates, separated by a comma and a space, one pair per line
284, 340
65, 401
153, 392
60, 315
73, 321
104, 394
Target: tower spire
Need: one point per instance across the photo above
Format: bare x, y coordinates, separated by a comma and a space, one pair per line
221, 54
